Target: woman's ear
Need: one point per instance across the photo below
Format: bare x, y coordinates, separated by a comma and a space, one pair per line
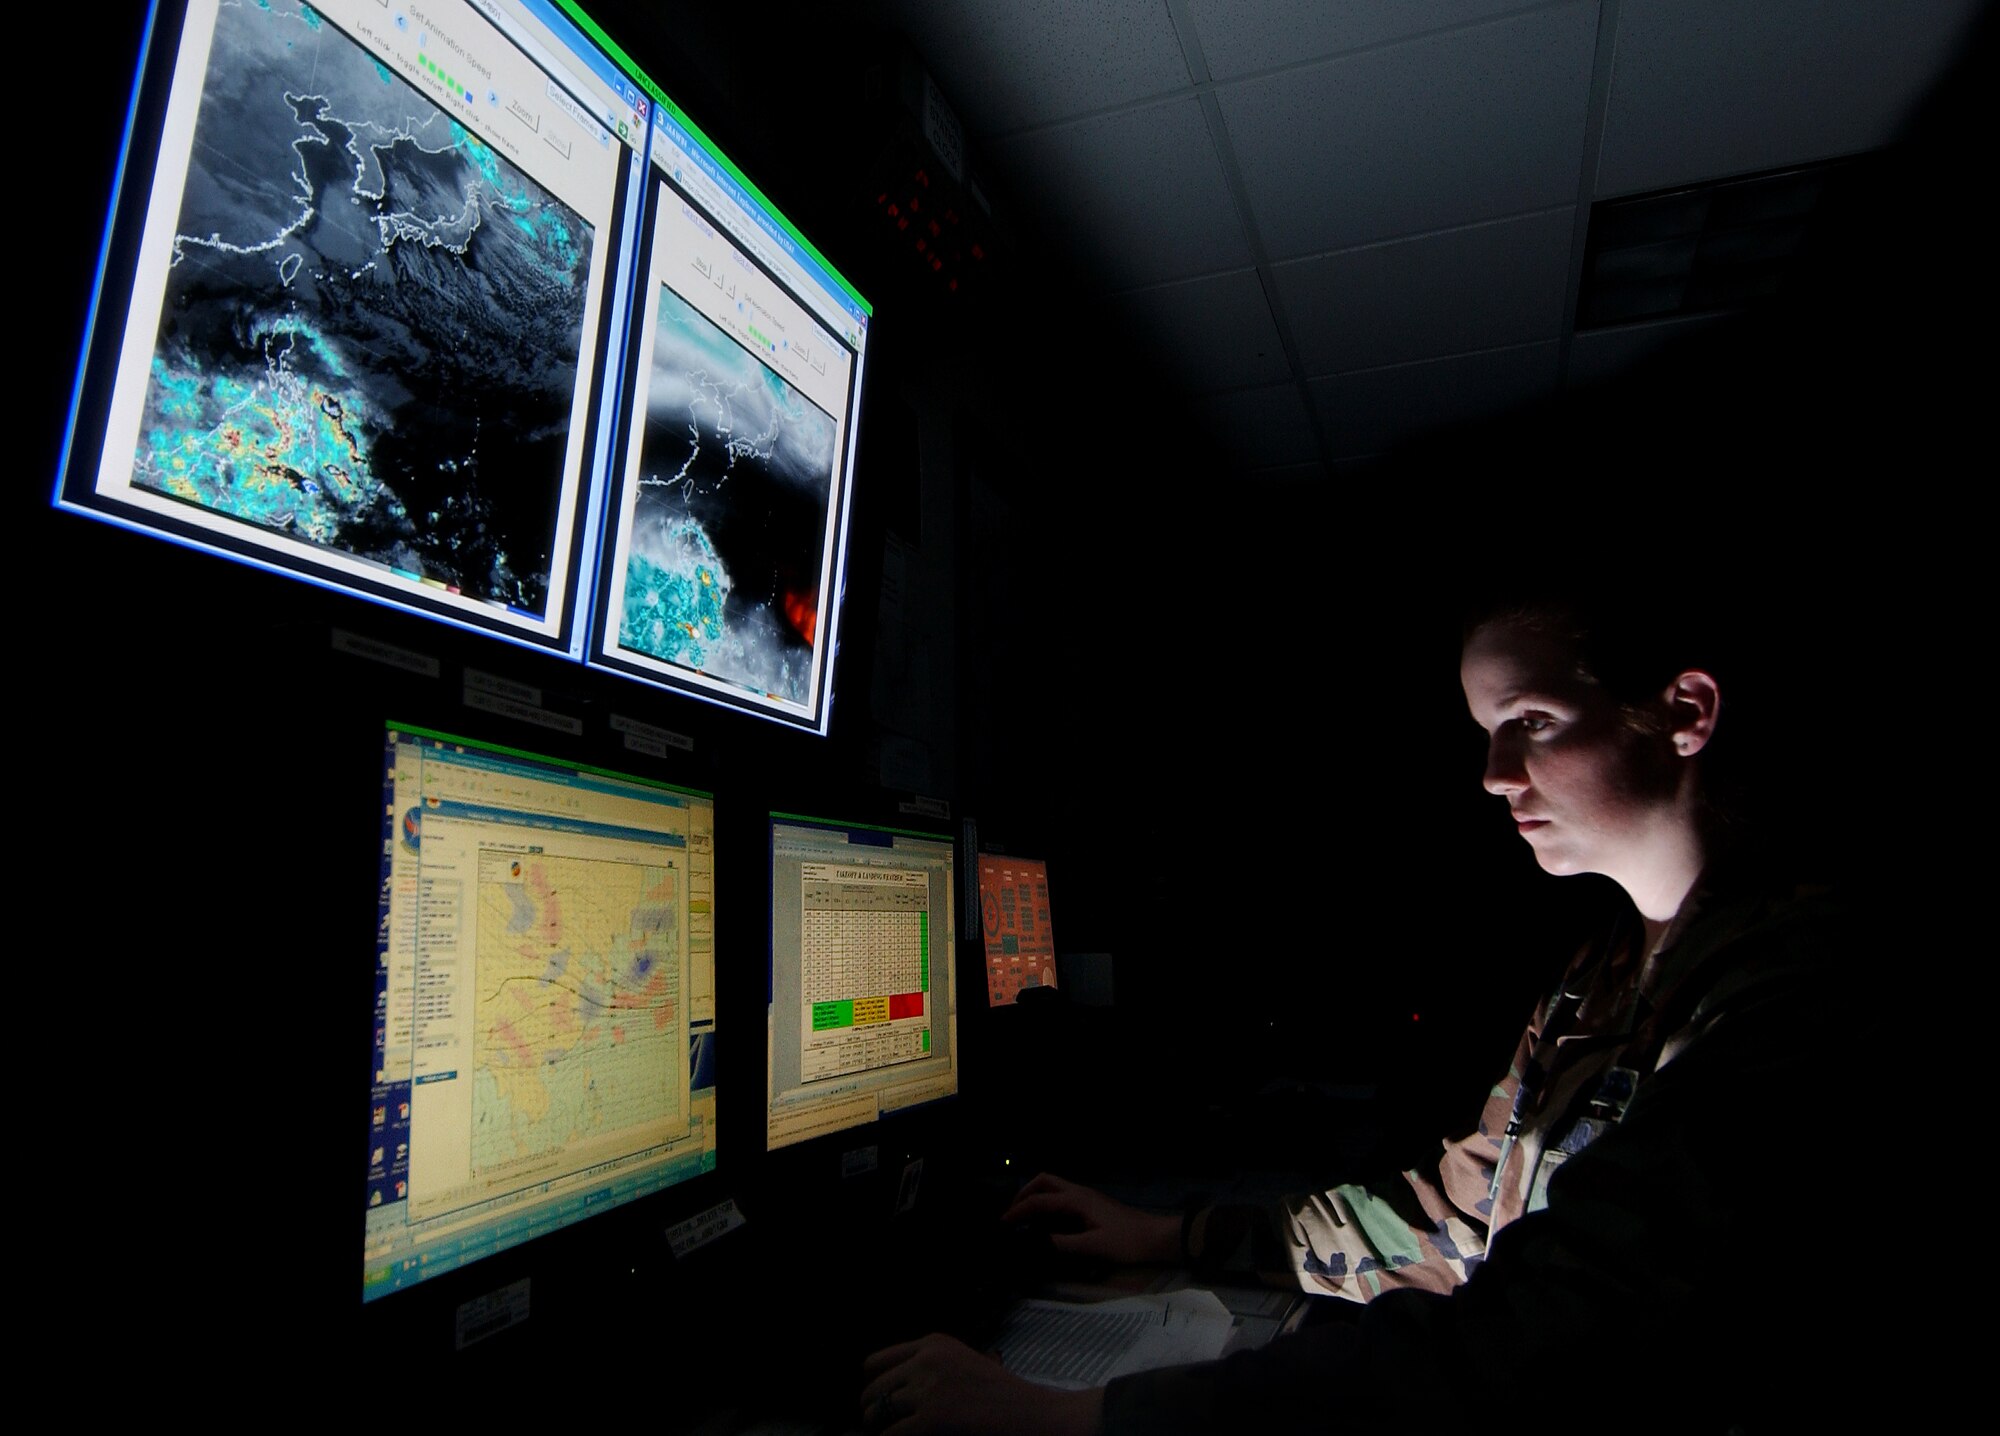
1693, 699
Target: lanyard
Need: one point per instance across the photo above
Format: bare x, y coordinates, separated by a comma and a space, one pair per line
1563, 1007
1561, 1010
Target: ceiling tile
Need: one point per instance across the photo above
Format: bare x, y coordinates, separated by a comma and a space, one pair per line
1004, 66
1471, 125
1137, 197
1259, 428
1242, 36
1210, 333
1705, 88
1477, 288
1372, 412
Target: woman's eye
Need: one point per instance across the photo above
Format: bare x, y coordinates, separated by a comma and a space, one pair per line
1535, 723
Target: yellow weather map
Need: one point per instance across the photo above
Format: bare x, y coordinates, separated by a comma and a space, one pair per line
580, 1031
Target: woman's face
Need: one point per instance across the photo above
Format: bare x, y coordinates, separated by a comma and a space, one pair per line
1588, 792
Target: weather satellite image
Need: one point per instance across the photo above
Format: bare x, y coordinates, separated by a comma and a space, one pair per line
730, 524
372, 320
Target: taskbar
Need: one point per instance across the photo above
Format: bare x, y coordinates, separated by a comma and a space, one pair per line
424, 1258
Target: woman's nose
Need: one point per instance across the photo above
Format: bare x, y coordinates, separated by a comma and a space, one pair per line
1505, 773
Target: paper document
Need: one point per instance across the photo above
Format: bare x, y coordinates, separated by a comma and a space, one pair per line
1075, 1345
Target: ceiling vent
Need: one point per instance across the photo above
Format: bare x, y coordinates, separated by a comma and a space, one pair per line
1704, 249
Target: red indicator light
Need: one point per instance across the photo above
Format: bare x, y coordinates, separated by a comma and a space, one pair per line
923, 179
893, 211
914, 204
1416, 1017
954, 286
920, 246
978, 253
936, 263
935, 231
882, 196
951, 216
903, 223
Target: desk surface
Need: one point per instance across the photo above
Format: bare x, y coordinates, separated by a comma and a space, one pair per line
1260, 1313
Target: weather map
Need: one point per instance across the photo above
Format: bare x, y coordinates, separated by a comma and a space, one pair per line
736, 477
370, 334
578, 1029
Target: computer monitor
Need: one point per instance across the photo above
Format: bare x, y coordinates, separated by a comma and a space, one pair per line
544, 1021
1014, 919
449, 307
364, 267
724, 555
863, 1010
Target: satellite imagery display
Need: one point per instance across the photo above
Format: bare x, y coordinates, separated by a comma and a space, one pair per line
372, 320
730, 520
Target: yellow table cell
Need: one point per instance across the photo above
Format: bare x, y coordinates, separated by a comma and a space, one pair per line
870, 1009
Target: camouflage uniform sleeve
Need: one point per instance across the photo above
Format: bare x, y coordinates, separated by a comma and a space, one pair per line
1420, 1229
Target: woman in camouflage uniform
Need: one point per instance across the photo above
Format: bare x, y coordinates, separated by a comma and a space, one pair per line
1624, 1174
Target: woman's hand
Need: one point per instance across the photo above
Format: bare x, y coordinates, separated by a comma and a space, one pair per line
1100, 1227
938, 1386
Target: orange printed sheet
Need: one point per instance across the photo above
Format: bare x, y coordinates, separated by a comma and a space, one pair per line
1014, 912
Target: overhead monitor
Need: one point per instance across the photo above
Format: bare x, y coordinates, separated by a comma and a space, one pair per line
362, 271
863, 1015
543, 1043
446, 306
724, 554
1014, 919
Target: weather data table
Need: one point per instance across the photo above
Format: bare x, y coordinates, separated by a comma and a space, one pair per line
867, 954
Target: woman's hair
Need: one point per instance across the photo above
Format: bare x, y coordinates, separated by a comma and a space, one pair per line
1630, 649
